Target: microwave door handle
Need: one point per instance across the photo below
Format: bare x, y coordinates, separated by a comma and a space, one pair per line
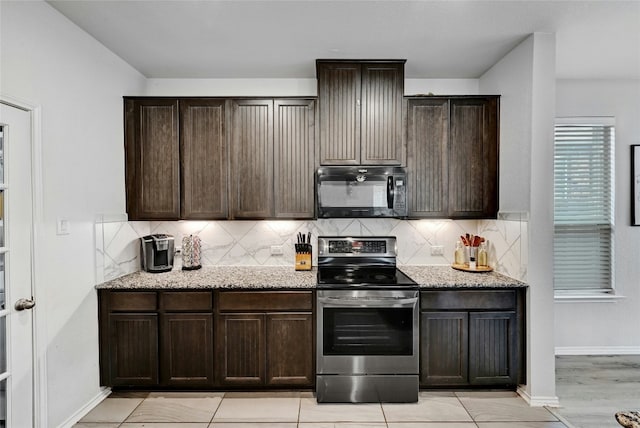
390, 192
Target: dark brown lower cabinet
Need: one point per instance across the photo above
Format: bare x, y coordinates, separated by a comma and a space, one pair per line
133, 349
290, 349
156, 338
471, 338
265, 339
178, 339
445, 349
186, 357
493, 344
241, 349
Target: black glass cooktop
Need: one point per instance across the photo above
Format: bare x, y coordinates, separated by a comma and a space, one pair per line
334, 277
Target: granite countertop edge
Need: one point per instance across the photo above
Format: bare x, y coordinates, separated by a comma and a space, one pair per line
285, 277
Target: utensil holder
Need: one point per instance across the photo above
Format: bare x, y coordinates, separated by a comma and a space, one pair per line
191, 252
303, 257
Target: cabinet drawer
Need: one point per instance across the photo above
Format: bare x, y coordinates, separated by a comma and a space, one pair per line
125, 301
186, 300
265, 301
468, 299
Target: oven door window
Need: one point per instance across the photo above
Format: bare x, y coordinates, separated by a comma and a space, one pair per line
367, 331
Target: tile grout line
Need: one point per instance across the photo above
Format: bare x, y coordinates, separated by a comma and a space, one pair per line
384, 416
465, 409
133, 411
216, 410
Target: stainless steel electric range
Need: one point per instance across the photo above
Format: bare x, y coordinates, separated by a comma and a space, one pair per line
367, 323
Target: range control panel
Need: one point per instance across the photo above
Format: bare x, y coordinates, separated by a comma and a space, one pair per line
355, 246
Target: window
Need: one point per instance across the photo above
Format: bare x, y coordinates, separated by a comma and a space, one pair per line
583, 205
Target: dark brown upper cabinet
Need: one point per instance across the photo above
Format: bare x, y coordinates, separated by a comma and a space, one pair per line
361, 113
473, 157
272, 163
152, 165
427, 150
294, 158
452, 161
216, 158
176, 161
251, 158
203, 149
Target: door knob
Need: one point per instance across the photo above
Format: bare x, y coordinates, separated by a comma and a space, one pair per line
23, 304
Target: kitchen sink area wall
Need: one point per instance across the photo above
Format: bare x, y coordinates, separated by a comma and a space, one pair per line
249, 243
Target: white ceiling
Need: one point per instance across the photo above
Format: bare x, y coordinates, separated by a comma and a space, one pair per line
282, 39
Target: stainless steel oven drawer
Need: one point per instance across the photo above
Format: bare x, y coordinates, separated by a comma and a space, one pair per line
367, 389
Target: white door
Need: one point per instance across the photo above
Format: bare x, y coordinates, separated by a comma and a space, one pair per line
16, 225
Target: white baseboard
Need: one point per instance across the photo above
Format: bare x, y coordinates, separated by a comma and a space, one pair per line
535, 401
82, 412
598, 350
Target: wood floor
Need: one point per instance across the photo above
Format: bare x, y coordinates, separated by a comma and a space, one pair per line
592, 389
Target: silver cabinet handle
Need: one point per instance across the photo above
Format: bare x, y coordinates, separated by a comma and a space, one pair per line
23, 304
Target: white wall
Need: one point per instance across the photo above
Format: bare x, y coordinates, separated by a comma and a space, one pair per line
525, 79
231, 87
441, 86
79, 84
289, 87
607, 327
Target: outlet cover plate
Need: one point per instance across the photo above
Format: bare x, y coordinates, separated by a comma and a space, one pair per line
437, 250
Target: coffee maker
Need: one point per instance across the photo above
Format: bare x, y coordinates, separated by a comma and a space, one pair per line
157, 252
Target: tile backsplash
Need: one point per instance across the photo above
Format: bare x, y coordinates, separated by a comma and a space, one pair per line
248, 243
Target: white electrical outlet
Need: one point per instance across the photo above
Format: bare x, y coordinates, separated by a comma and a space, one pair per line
277, 250
437, 250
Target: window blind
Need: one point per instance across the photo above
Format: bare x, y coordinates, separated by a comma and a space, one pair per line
583, 205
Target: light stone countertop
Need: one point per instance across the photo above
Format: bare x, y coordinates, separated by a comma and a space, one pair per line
217, 277
261, 277
447, 277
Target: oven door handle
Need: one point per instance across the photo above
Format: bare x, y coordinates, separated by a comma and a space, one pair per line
377, 302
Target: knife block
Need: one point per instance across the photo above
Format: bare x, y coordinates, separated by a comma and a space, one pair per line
303, 257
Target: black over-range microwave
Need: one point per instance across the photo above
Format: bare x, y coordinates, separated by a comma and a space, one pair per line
361, 191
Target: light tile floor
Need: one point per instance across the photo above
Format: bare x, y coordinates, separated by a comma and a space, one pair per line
300, 410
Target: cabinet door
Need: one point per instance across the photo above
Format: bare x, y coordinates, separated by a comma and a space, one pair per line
187, 349
252, 159
203, 148
290, 351
473, 158
294, 158
133, 349
339, 88
382, 129
427, 142
241, 349
444, 348
493, 348
152, 159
